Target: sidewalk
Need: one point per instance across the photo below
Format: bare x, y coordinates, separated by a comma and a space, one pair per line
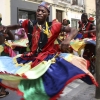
82, 92
87, 94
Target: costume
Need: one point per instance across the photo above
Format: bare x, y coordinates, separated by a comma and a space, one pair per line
6, 50
88, 50
44, 72
5, 47
86, 27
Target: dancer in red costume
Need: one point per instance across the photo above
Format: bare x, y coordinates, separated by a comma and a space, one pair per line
42, 73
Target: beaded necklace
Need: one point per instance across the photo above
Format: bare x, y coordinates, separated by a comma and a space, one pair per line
45, 30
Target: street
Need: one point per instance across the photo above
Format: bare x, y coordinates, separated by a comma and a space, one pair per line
76, 90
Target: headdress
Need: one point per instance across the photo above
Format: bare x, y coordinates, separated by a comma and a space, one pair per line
91, 19
46, 5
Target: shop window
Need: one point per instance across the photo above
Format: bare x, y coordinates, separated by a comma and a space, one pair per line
24, 14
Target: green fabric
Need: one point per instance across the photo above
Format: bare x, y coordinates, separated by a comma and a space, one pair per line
33, 89
38, 70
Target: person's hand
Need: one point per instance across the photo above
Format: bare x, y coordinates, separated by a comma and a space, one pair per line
65, 45
3, 29
85, 32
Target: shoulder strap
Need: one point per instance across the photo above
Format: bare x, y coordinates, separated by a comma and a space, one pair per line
88, 26
30, 30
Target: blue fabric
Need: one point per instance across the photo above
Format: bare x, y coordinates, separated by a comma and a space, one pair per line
87, 79
7, 65
79, 36
58, 74
91, 42
20, 60
46, 5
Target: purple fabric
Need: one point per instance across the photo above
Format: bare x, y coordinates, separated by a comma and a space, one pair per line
46, 5
79, 36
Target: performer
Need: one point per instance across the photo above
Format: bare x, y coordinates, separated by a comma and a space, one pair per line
63, 35
86, 27
87, 31
42, 73
5, 50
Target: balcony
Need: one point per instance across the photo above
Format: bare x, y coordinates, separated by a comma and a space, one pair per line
64, 1
33, 0
78, 3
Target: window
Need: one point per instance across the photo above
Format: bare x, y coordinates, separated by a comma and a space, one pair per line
81, 3
69, 1
75, 2
74, 23
24, 14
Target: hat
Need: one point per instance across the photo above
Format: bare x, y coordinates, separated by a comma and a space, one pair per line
46, 5
0, 15
91, 19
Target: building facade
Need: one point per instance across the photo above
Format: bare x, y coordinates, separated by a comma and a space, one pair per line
90, 7
68, 9
14, 10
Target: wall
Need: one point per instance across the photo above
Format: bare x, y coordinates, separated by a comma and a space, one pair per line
20, 4
9, 10
73, 15
90, 6
5, 11
31, 6
53, 14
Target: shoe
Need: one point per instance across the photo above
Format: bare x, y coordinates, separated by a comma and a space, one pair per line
4, 95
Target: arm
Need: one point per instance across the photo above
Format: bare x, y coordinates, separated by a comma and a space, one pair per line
11, 27
14, 27
10, 35
72, 33
93, 29
5, 29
